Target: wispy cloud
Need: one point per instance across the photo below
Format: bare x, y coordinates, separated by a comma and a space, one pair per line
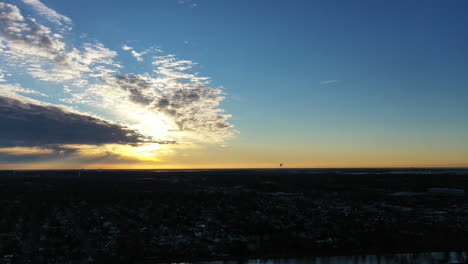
190, 3
14, 90
2, 76
125, 47
48, 13
328, 82
139, 55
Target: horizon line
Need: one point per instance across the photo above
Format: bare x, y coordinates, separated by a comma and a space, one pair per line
252, 168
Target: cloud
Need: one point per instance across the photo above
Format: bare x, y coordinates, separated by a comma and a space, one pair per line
183, 97
2, 76
46, 55
190, 3
180, 104
136, 87
26, 124
328, 82
14, 89
34, 154
26, 37
143, 110
125, 47
50, 14
195, 109
139, 55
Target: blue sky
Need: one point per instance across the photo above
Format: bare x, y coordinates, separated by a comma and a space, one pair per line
385, 75
272, 55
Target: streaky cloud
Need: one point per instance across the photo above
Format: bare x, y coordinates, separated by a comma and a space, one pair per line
328, 82
47, 12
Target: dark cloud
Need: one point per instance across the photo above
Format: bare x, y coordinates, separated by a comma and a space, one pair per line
27, 124
135, 86
193, 108
49, 153
62, 155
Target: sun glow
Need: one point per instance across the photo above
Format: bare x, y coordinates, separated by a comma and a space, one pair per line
26, 151
149, 123
141, 152
147, 152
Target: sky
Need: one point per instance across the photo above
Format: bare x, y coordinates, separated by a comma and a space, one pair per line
233, 84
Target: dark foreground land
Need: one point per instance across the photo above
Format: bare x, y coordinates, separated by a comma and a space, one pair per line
159, 216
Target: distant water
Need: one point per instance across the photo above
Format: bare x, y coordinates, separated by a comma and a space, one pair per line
408, 258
